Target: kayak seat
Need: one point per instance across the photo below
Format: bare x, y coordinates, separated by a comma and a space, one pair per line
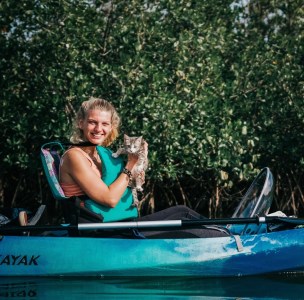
255, 203
74, 211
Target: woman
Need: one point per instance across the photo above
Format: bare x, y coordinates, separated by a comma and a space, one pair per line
81, 169
96, 122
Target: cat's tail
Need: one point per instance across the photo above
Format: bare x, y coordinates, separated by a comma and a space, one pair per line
135, 197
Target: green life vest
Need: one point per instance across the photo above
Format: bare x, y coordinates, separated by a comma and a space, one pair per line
111, 168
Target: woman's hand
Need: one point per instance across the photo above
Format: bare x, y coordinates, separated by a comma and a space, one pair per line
132, 160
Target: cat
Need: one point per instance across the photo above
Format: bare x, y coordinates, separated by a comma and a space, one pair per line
135, 145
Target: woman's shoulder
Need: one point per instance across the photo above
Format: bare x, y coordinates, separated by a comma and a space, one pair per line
75, 153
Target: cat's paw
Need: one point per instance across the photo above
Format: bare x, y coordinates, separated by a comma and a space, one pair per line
115, 155
135, 203
139, 188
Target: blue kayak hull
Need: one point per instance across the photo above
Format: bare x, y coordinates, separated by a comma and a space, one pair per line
209, 257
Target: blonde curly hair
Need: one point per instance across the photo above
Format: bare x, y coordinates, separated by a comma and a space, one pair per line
91, 104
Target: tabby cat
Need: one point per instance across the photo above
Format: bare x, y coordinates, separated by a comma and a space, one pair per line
135, 145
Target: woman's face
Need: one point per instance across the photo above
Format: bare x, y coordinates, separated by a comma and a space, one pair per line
96, 126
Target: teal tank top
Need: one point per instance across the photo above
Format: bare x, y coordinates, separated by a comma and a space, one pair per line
111, 168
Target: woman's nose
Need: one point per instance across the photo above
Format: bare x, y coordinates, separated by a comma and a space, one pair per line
98, 127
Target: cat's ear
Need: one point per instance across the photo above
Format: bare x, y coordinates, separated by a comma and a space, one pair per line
138, 141
126, 137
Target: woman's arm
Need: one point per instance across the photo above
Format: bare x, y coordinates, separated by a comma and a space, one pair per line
76, 168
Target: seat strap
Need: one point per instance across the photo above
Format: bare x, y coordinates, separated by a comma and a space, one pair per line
239, 244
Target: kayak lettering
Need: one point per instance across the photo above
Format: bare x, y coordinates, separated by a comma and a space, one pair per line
18, 260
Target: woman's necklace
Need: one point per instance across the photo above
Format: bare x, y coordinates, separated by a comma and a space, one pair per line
93, 155
95, 158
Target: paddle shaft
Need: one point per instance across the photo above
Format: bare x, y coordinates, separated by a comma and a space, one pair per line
152, 225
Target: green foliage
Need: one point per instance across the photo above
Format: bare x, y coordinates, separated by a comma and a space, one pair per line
216, 88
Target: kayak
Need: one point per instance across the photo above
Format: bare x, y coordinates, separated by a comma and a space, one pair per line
254, 246
265, 253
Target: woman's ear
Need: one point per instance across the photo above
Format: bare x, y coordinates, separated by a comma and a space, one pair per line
80, 124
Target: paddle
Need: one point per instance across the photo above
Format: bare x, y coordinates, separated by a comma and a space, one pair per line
152, 225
